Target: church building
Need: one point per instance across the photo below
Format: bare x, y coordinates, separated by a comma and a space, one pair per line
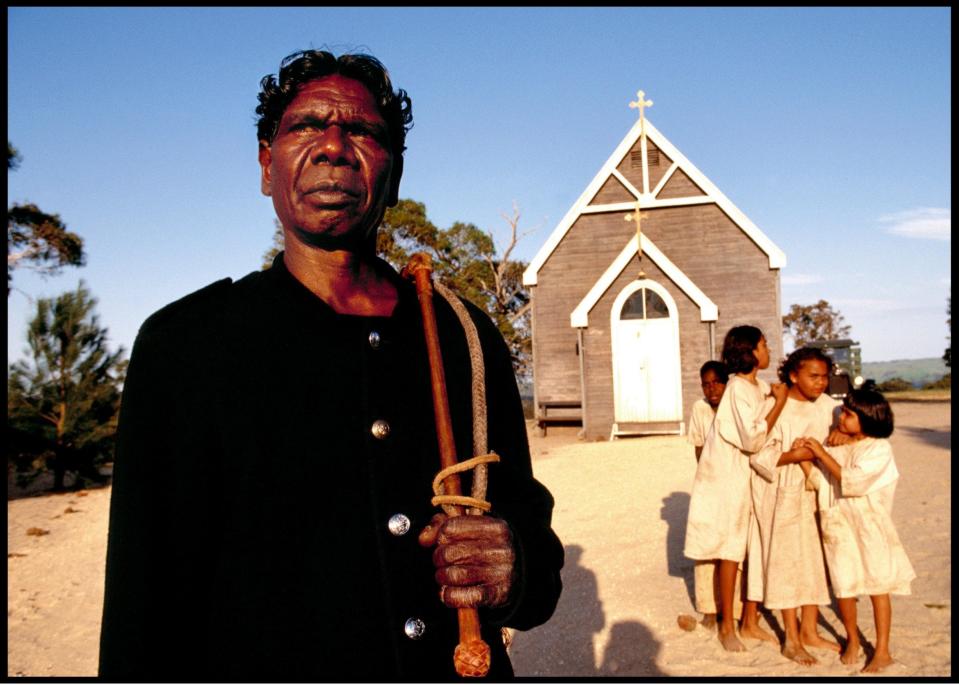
637, 286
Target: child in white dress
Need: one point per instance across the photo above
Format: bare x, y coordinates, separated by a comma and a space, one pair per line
717, 526
713, 378
856, 484
785, 559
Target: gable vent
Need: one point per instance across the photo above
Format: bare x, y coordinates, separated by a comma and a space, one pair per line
636, 158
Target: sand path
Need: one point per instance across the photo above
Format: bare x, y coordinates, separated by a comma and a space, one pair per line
620, 512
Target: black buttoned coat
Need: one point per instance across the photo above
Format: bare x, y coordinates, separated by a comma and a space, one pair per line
249, 535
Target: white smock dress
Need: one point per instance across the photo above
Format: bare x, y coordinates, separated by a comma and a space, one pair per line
785, 558
700, 420
704, 571
717, 526
862, 548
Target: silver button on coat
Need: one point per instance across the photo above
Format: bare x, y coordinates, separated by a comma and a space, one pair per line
374, 340
380, 429
414, 628
399, 524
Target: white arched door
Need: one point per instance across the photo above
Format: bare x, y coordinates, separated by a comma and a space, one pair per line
646, 368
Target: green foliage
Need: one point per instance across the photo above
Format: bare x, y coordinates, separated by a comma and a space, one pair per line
13, 157
36, 239
894, 385
944, 383
466, 260
62, 403
807, 323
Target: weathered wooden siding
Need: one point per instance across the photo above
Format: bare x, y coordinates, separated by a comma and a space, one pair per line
679, 185
634, 173
612, 191
704, 243
563, 281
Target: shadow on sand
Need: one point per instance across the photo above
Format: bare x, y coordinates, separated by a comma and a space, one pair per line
564, 646
674, 512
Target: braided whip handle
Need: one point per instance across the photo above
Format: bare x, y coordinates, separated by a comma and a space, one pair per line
472, 656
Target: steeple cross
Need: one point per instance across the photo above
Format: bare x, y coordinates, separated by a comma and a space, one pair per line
641, 103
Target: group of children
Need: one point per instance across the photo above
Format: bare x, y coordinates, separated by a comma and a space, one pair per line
789, 483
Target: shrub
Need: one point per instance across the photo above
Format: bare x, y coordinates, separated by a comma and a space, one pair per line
894, 385
944, 383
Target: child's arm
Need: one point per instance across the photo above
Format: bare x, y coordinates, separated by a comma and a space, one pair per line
830, 465
837, 437
779, 392
806, 467
797, 455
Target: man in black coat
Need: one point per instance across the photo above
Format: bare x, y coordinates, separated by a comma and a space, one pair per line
276, 444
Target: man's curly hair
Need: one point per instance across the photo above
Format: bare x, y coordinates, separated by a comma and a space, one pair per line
308, 65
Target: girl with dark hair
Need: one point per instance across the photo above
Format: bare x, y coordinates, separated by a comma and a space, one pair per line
720, 508
713, 378
785, 567
856, 483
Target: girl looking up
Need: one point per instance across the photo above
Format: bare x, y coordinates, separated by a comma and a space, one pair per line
862, 548
785, 561
719, 506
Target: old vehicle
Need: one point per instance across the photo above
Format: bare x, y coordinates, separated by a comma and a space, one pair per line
847, 364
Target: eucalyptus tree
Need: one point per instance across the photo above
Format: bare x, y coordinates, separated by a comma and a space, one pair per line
36, 239
63, 399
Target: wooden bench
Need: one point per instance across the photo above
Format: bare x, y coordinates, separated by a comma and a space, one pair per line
558, 413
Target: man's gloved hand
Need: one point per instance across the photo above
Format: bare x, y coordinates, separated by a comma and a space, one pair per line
474, 559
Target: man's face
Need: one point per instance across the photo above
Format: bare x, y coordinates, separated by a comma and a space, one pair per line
330, 169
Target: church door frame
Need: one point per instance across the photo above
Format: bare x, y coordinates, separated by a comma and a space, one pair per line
634, 398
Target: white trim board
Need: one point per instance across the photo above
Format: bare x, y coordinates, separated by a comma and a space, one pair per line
579, 318
777, 258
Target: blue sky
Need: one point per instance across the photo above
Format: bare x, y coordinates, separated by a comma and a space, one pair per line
829, 128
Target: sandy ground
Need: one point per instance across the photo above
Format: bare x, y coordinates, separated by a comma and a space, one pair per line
620, 512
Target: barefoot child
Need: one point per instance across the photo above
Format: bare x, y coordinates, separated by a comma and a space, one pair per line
856, 484
719, 507
713, 378
786, 568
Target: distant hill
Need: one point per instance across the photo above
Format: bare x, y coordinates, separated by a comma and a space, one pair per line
916, 371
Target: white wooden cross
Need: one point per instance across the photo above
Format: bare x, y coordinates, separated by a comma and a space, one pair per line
641, 103
637, 216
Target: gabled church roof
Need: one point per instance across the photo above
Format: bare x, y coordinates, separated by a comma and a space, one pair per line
579, 318
648, 198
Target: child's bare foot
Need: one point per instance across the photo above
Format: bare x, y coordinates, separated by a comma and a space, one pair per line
850, 654
754, 632
818, 642
794, 650
729, 641
878, 662
709, 621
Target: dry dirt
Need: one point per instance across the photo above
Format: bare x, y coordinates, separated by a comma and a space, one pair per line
620, 512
